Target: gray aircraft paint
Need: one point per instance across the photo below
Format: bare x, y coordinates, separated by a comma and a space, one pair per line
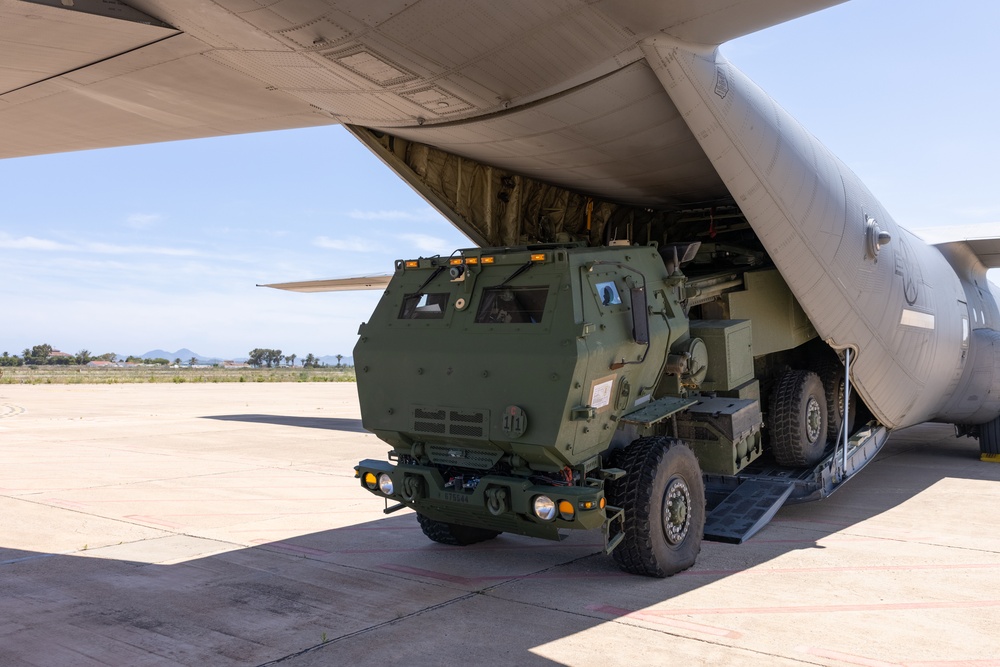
899, 307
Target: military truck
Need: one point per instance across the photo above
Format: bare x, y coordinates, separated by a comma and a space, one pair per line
546, 388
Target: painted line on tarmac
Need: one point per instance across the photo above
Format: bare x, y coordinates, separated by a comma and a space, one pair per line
848, 568
870, 662
644, 615
845, 657
814, 609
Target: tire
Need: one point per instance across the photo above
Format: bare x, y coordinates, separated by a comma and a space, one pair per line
661, 473
989, 437
831, 374
797, 419
452, 533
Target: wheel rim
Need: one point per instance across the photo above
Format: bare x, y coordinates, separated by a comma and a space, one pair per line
676, 511
814, 419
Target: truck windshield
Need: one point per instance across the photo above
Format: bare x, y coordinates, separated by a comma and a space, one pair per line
512, 305
424, 306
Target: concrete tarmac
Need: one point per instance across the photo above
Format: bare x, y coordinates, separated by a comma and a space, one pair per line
221, 524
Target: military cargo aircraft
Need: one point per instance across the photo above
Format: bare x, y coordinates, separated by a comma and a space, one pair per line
545, 131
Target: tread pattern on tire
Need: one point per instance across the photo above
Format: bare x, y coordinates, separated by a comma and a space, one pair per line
787, 423
453, 534
635, 493
831, 374
989, 437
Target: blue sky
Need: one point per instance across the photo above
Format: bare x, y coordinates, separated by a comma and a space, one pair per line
160, 246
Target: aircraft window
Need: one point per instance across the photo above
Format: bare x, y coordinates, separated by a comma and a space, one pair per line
512, 305
424, 306
608, 294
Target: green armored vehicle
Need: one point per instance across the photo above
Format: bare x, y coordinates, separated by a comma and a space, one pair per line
538, 389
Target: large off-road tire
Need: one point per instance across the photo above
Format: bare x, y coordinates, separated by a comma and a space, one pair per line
989, 438
831, 374
797, 419
663, 496
453, 534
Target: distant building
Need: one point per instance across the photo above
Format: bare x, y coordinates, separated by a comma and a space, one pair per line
235, 364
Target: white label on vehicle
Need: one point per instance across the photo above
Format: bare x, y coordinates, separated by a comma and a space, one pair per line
601, 395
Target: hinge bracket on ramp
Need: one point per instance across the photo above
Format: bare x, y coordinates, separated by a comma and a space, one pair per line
746, 510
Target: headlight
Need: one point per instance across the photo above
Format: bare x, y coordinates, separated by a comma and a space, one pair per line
385, 484
545, 508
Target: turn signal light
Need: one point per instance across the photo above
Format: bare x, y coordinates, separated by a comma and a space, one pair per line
566, 510
370, 481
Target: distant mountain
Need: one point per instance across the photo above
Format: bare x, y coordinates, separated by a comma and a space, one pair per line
183, 354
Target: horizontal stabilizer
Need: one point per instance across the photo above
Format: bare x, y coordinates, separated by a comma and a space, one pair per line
987, 250
335, 284
976, 238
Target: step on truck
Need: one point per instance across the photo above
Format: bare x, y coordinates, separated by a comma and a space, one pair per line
541, 389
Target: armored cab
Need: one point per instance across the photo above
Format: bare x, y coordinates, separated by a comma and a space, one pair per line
499, 376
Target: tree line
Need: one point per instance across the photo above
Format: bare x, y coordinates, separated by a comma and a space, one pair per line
46, 355
270, 358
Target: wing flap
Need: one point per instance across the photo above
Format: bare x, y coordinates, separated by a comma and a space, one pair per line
40, 42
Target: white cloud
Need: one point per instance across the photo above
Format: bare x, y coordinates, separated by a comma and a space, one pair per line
98, 248
31, 243
353, 244
112, 249
416, 215
143, 220
428, 244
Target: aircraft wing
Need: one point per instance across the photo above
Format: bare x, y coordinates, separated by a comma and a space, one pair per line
335, 284
80, 74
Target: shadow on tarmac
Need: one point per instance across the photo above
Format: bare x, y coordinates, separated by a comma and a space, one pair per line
380, 593
329, 423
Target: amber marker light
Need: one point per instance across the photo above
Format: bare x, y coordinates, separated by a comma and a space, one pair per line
603, 503
472, 260
489, 260
456, 261
412, 264
538, 257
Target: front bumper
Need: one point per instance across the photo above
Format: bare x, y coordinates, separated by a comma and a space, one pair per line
495, 503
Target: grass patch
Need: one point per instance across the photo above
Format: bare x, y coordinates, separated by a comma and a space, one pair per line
145, 375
